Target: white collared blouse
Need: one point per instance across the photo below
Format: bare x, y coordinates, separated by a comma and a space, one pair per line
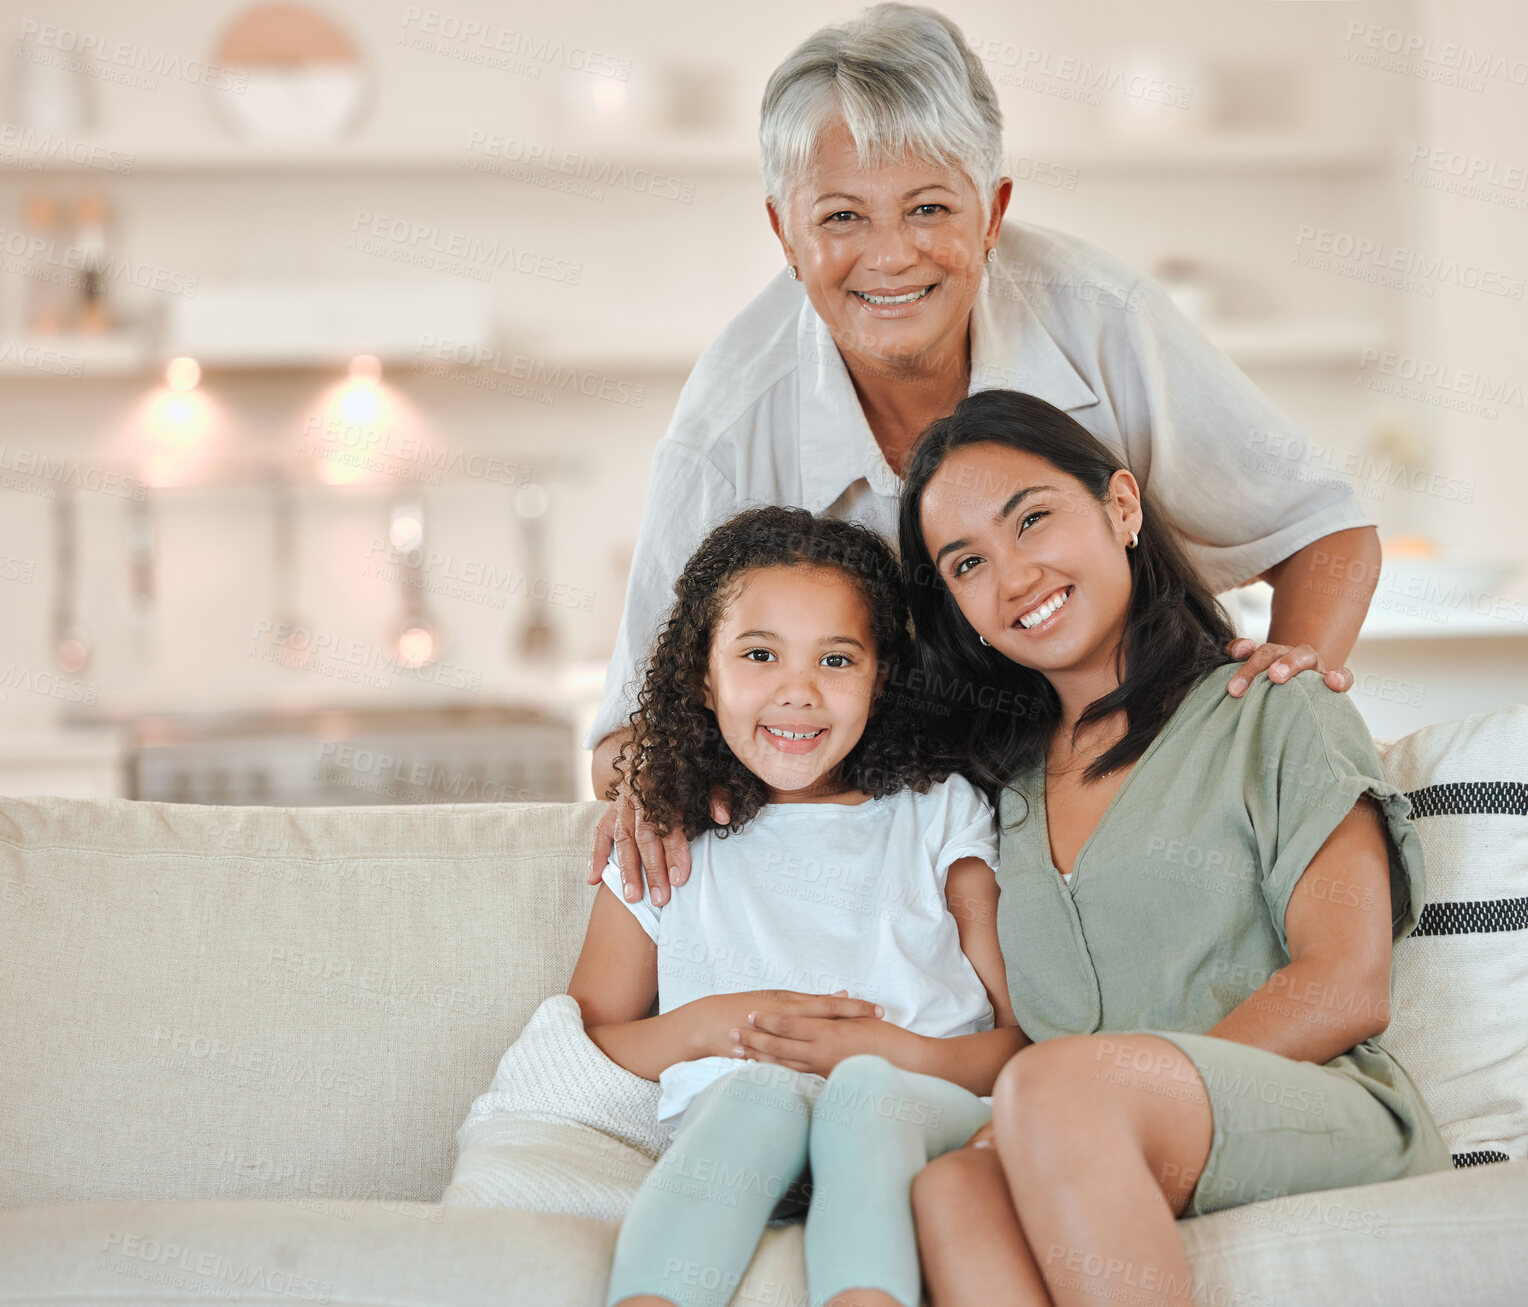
770, 416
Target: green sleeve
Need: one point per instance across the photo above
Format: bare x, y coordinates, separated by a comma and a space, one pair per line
1315, 760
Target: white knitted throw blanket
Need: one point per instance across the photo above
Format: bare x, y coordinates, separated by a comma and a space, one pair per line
561, 1129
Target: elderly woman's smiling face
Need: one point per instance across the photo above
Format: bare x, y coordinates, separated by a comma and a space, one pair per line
890, 257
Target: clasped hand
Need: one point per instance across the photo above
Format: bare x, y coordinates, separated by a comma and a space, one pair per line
795, 1034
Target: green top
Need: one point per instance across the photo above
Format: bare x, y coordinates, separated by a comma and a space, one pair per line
1175, 909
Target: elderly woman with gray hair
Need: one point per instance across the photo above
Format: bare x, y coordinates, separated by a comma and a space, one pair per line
904, 290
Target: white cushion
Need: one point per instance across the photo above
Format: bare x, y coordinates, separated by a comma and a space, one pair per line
1459, 983
562, 1129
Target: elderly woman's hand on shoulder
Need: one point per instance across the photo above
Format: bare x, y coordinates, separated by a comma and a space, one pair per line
641, 852
1281, 662
1312, 614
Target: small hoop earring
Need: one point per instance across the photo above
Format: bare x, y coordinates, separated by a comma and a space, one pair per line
792, 271
992, 255
1134, 540
985, 641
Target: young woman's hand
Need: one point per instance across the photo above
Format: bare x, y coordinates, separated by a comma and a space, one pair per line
1281, 661
804, 1041
640, 851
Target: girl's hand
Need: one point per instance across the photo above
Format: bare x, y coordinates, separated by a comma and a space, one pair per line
811, 1043
714, 1021
1281, 661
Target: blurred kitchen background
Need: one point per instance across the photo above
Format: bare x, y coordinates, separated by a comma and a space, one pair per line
335, 340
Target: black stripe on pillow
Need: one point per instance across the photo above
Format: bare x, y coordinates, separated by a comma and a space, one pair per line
1481, 1158
1464, 798
1460, 798
1473, 917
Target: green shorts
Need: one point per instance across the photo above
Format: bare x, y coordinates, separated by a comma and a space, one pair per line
1285, 1127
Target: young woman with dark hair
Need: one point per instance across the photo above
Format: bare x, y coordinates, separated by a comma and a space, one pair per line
1198, 893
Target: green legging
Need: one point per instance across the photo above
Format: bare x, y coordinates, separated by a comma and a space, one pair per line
753, 1142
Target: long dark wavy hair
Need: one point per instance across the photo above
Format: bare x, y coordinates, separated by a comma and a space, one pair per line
677, 754
996, 717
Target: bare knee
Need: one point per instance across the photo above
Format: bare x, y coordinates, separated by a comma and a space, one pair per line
943, 1187
1047, 1108
1043, 1084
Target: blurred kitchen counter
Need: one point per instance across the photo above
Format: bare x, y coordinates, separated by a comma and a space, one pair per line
524, 748
79, 762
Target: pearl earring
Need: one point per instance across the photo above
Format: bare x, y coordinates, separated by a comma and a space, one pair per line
792, 271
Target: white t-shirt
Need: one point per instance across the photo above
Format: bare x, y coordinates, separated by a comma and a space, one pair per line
818, 897
770, 416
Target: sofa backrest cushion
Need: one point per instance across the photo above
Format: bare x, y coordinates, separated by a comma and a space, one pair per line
268, 1002
1459, 980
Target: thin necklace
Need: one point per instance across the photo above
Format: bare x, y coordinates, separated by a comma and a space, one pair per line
1057, 771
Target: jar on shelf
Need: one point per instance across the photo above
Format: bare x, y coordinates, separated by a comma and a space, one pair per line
92, 313
44, 299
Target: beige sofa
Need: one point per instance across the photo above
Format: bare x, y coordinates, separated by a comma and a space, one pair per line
236, 1045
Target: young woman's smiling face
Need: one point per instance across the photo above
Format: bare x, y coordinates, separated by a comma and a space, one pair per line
793, 655
1035, 563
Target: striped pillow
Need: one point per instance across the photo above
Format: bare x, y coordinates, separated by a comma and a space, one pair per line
1459, 981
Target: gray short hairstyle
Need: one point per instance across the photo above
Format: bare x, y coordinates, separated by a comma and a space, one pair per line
905, 82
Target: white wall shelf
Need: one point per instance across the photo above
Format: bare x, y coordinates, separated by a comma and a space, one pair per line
1250, 343
1394, 615
72, 356
1188, 154
1279, 342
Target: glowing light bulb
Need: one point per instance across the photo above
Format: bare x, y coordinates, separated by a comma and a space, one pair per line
360, 403
416, 646
178, 419
406, 530
182, 374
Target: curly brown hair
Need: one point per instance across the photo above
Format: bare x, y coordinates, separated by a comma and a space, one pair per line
677, 753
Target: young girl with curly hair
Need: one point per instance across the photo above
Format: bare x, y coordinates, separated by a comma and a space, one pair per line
845, 916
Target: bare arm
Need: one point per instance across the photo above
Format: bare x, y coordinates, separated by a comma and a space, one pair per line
1335, 991
615, 983
972, 1061
971, 891
1320, 598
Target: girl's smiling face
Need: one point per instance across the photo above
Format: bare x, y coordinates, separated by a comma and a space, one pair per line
1036, 565
793, 655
